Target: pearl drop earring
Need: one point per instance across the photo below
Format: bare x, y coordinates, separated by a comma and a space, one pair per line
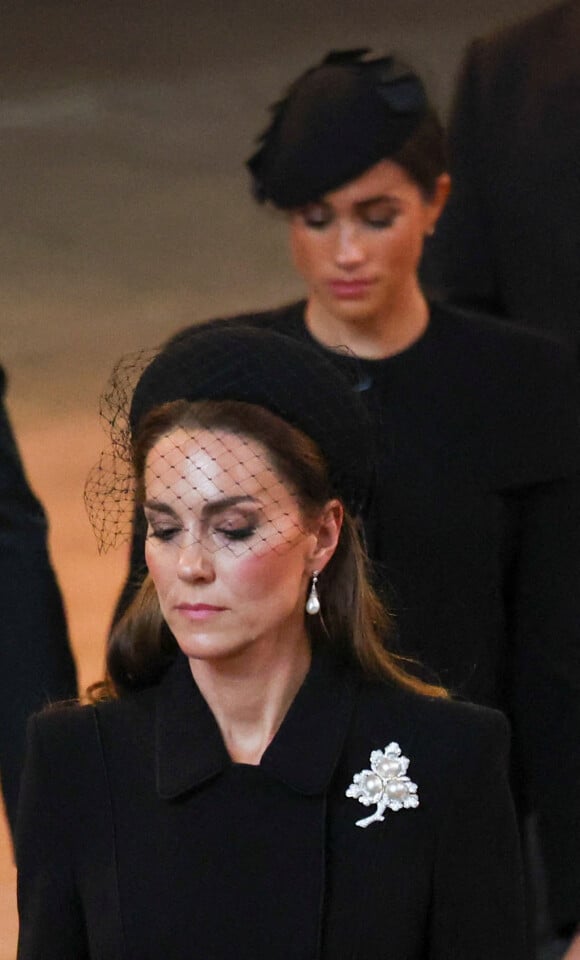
313, 602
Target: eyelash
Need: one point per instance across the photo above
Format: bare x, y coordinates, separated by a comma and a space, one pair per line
163, 533
378, 223
316, 224
381, 223
235, 534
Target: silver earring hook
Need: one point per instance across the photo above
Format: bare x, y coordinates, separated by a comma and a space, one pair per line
313, 602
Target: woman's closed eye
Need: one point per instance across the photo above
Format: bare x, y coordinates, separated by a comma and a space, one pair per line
316, 217
378, 222
379, 216
162, 524
236, 533
376, 216
164, 532
236, 527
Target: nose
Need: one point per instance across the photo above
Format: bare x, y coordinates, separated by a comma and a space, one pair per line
195, 562
349, 250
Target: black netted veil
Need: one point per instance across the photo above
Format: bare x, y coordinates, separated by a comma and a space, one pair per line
234, 363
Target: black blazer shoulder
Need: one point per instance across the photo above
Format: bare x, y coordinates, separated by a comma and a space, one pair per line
448, 734
77, 754
449, 738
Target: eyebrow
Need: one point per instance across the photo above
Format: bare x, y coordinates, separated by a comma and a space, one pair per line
380, 198
208, 510
360, 204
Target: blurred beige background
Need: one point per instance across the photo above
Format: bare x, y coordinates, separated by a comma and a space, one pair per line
125, 213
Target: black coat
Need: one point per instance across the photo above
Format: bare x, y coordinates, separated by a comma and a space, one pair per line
475, 536
509, 240
36, 665
139, 838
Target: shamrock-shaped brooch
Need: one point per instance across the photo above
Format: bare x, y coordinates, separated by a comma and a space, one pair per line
385, 784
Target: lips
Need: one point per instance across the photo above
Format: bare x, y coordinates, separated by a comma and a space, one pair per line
199, 606
199, 611
350, 289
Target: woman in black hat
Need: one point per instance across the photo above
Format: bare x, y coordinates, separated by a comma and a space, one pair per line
259, 777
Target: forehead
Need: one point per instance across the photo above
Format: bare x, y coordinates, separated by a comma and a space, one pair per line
208, 463
385, 179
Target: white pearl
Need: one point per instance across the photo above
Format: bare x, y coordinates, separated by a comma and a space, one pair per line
388, 768
396, 789
372, 784
313, 605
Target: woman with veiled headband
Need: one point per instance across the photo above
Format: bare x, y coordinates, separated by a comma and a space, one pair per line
259, 777
474, 528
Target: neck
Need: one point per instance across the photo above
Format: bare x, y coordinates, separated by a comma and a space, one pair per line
375, 336
250, 694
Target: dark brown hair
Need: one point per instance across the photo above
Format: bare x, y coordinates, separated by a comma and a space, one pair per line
355, 624
423, 155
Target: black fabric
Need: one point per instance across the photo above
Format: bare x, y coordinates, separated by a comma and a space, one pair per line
36, 664
475, 537
338, 119
194, 856
509, 239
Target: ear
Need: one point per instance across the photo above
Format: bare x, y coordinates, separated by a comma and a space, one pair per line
326, 533
436, 202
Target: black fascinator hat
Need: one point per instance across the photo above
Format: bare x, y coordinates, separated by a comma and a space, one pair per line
230, 362
271, 370
338, 119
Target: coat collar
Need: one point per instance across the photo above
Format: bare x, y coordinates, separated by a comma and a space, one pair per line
303, 755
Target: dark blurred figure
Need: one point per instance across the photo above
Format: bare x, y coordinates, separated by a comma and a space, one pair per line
36, 664
509, 240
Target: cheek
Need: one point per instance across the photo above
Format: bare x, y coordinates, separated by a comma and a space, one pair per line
150, 559
260, 575
401, 248
306, 252
160, 567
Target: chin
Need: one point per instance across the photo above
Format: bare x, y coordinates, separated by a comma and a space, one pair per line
356, 311
215, 647
206, 647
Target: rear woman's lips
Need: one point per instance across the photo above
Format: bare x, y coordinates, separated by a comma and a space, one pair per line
350, 289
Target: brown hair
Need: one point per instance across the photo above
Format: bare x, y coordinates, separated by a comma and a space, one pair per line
355, 623
423, 155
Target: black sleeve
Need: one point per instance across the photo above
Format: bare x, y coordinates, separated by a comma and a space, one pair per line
51, 921
546, 680
458, 263
36, 664
477, 909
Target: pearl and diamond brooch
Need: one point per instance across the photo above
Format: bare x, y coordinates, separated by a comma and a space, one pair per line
385, 784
